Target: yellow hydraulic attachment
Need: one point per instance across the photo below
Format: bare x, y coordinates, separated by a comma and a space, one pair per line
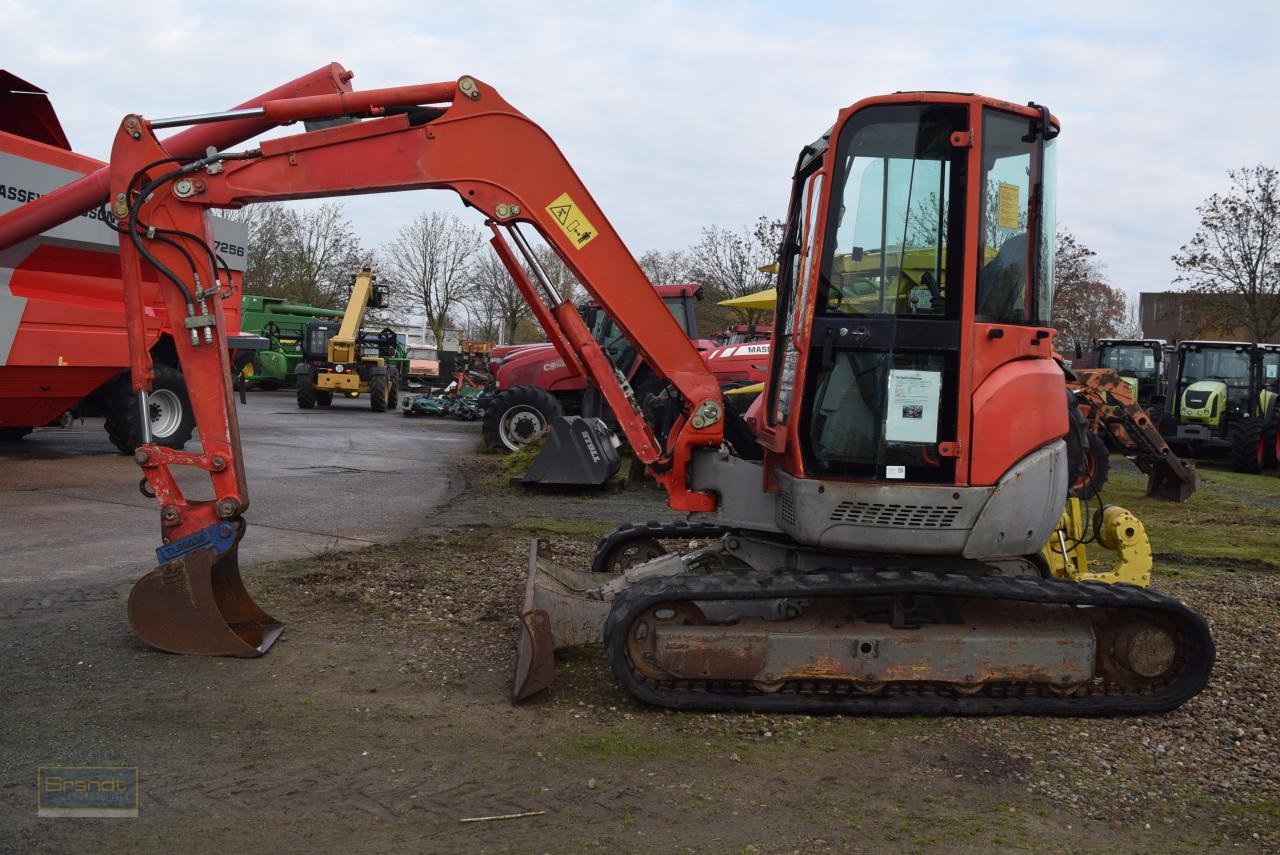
1118, 530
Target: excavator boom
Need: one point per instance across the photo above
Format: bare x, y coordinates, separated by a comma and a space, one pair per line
458, 136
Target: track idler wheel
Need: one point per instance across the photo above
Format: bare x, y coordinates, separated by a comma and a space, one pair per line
195, 602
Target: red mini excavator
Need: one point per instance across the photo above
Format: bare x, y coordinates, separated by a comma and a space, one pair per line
875, 525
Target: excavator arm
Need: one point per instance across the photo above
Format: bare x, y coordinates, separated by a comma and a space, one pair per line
458, 136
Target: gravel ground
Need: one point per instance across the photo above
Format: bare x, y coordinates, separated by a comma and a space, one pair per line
382, 719
1213, 761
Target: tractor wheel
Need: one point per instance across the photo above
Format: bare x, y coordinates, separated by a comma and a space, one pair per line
393, 390
307, 394
13, 434
1094, 471
1271, 437
1247, 452
378, 393
171, 418
1270, 446
516, 416
324, 398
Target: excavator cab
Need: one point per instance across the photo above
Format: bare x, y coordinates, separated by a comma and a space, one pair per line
881, 309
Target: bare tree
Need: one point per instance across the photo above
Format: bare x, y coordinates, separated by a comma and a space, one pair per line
730, 263
428, 266
1085, 306
1233, 257
328, 253
497, 300
669, 267
1131, 326
308, 256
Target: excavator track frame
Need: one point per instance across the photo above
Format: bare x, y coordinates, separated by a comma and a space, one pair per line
1109, 696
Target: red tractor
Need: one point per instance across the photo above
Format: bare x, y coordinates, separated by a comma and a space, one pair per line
534, 384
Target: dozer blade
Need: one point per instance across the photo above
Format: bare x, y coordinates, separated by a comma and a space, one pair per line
578, 452
562, 608
195, 602
1172, 482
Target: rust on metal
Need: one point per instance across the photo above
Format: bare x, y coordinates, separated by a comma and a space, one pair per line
1145, 649
561, 608
197, 604
1109, 408
993, 642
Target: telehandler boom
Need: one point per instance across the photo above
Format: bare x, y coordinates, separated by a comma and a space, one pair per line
877, 535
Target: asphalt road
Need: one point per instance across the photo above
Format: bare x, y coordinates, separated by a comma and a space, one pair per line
71, 514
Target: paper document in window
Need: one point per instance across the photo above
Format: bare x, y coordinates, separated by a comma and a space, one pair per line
912, 414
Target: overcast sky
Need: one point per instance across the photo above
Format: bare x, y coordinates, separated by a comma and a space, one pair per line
680, 115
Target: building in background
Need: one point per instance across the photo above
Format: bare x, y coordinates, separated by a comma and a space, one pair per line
1181, 315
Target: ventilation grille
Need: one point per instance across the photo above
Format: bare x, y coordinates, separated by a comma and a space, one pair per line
905, 516
787, 510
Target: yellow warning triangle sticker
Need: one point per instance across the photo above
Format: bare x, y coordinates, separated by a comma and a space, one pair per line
569, 217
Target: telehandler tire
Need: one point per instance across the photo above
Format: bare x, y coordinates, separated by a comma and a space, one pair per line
307, 395
13, 434
516, 416
378, 393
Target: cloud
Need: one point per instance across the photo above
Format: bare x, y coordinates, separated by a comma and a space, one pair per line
680, 115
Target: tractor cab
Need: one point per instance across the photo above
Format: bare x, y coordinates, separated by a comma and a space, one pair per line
680, 300
1225, 400
1215, 380
1140, 363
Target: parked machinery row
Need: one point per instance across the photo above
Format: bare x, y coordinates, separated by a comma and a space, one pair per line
1208, 398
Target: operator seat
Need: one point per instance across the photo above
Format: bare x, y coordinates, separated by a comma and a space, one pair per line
1002, 281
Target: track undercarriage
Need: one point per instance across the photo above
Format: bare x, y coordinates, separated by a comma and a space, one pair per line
708, 629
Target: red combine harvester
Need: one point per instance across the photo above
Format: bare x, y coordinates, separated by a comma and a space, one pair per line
63, 337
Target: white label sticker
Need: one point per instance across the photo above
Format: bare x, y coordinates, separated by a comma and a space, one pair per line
1271, 371
912, 414
895, 472
1148, 361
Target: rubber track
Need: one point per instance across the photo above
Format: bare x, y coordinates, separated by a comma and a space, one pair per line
627, 532
1198, 647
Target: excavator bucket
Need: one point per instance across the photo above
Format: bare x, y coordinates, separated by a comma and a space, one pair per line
562, 608
579, 451
195, 602
1172, 482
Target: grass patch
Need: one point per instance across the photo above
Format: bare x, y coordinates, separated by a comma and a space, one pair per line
1231, 516
518, 462
625, 743
1265, 811
539, 526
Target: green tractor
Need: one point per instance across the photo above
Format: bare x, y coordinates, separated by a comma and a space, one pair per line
1225, 402
1141, 364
